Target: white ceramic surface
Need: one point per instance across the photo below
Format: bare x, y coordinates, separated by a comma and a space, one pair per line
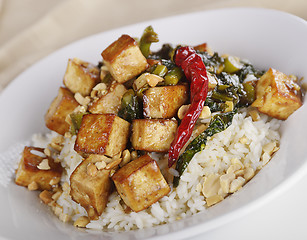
267, 38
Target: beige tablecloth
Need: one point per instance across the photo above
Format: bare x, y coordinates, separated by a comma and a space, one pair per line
31, 29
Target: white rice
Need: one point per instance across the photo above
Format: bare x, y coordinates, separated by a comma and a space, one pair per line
187, 198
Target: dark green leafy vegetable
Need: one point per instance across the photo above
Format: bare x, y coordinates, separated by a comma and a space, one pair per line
221, 96
149, 36
230, 73
218, 124
248, 69
130, 107
229, 88
214, 105
107, 79
249, 94
165, 52
228, 79
212, 63
76, 119
168, 63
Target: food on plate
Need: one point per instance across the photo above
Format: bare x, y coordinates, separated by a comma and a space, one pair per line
105, 134
277, 95
61, 106
153, 135
80, 76
124, 59
146, 138
37, 171
164, 101
140, 183
90, 186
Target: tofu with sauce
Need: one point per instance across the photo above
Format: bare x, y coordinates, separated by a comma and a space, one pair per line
80, 76
164, 102
277, 95
204, 48
90, 187
111, 101
153, 135
140, 183
124, 59
38, 169
60, 107
105, 134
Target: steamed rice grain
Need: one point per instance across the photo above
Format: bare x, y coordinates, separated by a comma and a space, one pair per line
242, 140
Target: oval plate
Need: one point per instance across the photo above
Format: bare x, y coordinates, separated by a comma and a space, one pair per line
267, 38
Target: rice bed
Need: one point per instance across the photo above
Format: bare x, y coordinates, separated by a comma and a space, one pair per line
187, 199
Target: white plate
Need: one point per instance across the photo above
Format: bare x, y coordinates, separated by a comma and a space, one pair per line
267, 38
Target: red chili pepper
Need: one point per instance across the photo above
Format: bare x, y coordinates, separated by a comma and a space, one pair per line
195, 71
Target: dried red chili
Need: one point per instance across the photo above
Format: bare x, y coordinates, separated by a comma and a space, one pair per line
195, 71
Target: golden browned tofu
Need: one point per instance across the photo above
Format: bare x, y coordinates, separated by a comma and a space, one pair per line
201, 47
90, 187
124, 59
140, 183
110, 102
204, 48
35, 168
81, 76
61, 106
164, 102
153, 135
102, 134
277, 95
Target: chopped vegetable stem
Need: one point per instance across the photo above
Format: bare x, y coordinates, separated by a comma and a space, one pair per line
149, 36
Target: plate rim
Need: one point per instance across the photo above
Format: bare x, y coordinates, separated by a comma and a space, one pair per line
294, 17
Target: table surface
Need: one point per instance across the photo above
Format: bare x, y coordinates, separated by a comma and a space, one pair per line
281, 218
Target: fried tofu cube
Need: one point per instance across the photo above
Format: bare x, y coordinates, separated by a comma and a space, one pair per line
140, 183
91, 187
81, 76
124, 59
164, 102
37, 168
110, 102
153, 135
204, 48
105, 134
277, 95
61, 106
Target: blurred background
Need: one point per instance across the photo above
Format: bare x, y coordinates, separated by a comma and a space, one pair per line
31, 29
